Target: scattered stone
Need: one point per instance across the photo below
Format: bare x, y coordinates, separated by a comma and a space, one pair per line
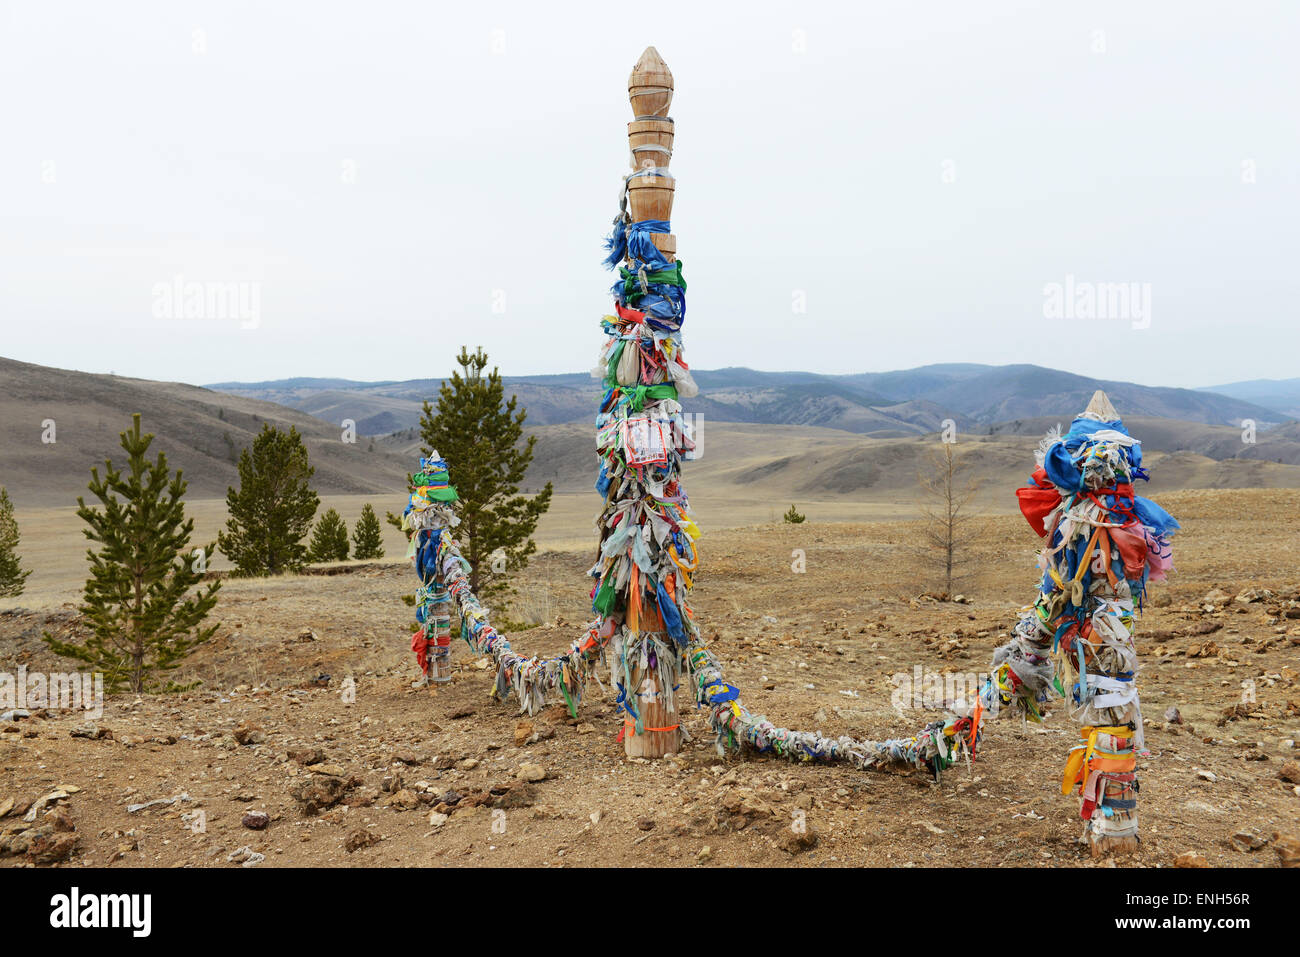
330, 770
523, 794
59, 819
56, 795
408, 757
307, 635
1248, 839
1190, 859
1173, 715
307, 756
362, 797
467, 764
318, 792
531, 772
359, 838
1207, 775
523, 731
249, 733
51, 848
6, 806
255, 820
156, 802
586, 728
705, 854
464, 711
91, 731
746, 805
403, 800
1290, 772
645, 823
1288, 849
798, 841
437, 818
245, 856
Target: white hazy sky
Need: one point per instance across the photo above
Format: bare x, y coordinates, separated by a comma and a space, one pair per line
379, 171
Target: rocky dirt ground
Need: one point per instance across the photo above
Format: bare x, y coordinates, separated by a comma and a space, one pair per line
305, 744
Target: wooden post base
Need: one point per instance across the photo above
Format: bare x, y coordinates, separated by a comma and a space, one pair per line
1101, 845
658, 711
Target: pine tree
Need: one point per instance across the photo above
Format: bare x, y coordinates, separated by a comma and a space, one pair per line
329, 540
480, 435
13, 576
367, 536
142, 618
273, 509
792, 517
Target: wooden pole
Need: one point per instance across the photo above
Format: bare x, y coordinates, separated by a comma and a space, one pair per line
1100, 407
1119, 790
650, 142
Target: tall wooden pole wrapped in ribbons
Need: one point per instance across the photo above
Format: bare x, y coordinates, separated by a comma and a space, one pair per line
648, 558
647, 553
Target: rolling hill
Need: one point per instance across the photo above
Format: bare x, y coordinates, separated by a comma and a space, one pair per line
201, 431
881, 405
867, 453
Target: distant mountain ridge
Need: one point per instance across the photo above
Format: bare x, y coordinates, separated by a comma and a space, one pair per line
878, 404
836, 435
1280, 395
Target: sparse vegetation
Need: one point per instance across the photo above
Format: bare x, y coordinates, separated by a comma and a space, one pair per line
273, 508
794, 518
329, 540
13, 577
946, 488
144, 622
480, 434
367, 537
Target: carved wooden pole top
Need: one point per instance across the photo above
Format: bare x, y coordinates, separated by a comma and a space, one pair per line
650, 87
1100, 408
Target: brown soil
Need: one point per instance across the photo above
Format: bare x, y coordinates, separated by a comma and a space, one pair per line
841, 630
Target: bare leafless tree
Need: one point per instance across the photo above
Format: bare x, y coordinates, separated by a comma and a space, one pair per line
946, 488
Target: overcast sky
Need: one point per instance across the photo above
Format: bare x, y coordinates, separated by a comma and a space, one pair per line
861, 186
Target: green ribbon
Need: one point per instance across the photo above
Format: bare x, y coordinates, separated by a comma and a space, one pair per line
605, 595
573, 709
637, 395
671, 276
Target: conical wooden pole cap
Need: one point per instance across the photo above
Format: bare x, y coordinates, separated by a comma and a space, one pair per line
650, 87
1100, 408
